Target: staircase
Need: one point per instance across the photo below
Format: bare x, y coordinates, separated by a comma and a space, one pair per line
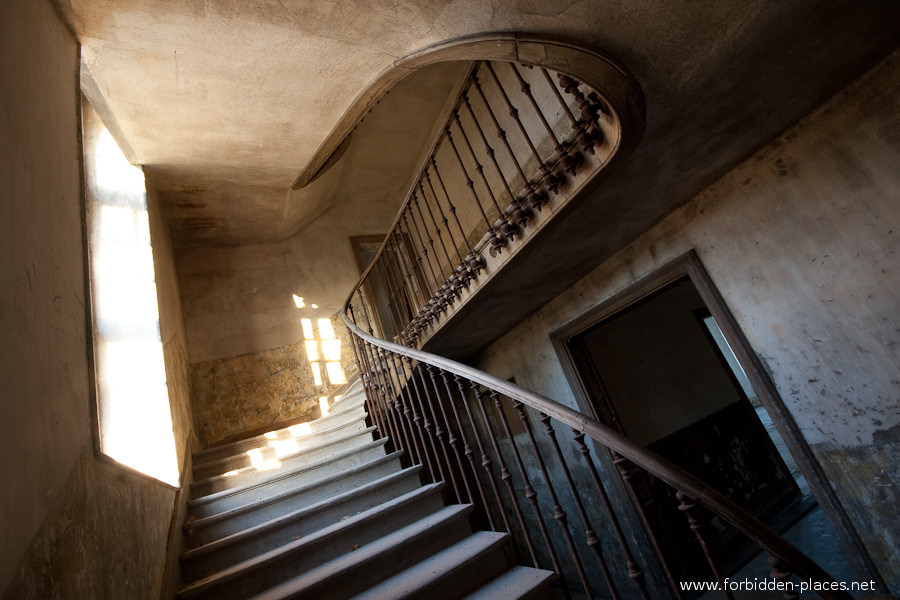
322, 511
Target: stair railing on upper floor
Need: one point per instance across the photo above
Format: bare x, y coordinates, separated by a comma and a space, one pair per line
500, 447
519, 143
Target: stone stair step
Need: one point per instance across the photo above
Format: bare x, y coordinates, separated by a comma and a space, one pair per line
270, 534
518, 583
371, 563
306, 554
204, 530
284, 480
287, 442
449, 573
250, 475
343, 412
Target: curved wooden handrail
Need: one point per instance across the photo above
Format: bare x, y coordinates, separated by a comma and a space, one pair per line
588, 65
650, 462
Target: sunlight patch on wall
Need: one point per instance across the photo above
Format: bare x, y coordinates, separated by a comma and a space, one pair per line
323, 349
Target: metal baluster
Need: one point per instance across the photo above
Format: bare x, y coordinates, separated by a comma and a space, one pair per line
441, 286
453, 278
437, 434
590, 534
474, 262
467, 448
584, 138
550, 180
394, 402
412, 298
496, 240
416, 238
530, 494
373, 397
508, 229
394, 280
558, 513
427, 437
444, 436
379, 270
464, 399
412, 418
429, 310
409, 266
588, 114
634, 571
505, 475
451, 438
531, 196
569, 163
362, 303
462, 270
505, 226
383, 410
687, 506
781, 572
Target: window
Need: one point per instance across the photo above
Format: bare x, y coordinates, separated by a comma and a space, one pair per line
135, 422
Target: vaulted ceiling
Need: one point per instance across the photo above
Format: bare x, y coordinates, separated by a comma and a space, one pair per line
225, 101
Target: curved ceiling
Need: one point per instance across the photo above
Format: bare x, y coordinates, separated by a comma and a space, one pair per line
224, 102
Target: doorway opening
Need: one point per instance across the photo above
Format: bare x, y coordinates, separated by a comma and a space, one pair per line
665, 364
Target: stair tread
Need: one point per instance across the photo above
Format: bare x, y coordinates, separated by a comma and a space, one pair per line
278, 475
231, 513
199, 484
222, 463
339, 409
437, 568
518, 583
219, 544
332, 531
360, 556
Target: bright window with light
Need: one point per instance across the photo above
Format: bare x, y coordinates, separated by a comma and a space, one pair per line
132, 396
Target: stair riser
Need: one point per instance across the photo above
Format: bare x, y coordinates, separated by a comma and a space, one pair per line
355, 580
203, 532
474, 572
307, 556
302, 478
251, 476
303, 444
345, 413
287, 531
451, 573
520, 583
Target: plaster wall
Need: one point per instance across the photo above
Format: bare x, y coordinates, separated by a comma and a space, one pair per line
171, 328
44, 414
247, 358
74, 525
801, 240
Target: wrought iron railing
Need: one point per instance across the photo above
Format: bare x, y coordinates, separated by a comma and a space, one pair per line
501, 448
518, 144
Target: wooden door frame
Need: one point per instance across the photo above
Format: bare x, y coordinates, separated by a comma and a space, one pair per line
689, 265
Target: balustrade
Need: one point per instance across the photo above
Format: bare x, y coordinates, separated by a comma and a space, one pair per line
480, 188
517, 145
526, 479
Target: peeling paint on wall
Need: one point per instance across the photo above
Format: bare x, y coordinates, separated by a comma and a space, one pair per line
257, 389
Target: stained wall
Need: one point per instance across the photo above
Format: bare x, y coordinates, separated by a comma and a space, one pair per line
74, 525
802, 239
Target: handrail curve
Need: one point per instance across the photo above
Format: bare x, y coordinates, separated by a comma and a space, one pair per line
652, 463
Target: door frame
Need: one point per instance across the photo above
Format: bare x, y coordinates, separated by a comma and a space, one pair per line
690, 265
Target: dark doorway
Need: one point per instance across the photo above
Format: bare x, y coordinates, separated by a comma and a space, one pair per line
659, 376
665, 363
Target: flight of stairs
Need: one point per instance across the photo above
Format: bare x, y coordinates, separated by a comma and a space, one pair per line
335, 517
